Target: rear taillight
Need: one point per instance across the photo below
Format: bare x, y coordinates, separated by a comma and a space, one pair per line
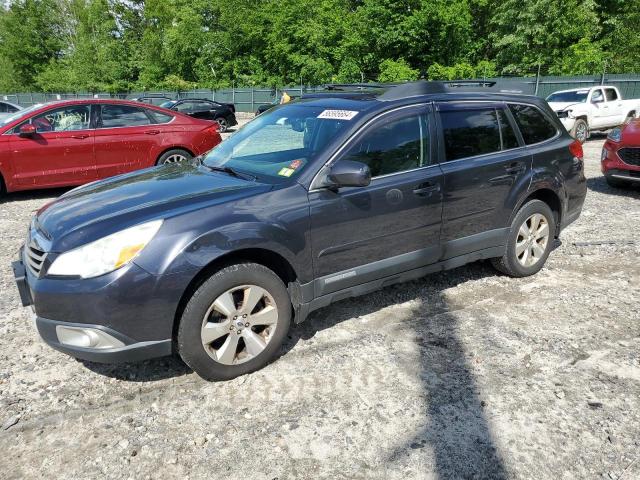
576, 149
215, 128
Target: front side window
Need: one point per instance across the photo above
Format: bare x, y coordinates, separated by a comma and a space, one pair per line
74, 117
117, 116
184, 107
596, 96
201, 106
533, 125
468, 133
279, 144
395, 146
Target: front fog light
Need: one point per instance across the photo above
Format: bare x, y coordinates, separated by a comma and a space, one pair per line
85, 337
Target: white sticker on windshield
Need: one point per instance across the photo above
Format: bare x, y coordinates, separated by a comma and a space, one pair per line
338, 114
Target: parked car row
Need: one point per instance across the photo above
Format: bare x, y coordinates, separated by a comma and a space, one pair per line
72, 142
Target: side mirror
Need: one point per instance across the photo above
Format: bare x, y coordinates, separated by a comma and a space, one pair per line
347, 173
27, 130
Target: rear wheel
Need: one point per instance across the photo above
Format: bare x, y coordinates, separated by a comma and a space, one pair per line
530, 240
235, 322
580, 130
175, 155
224, 125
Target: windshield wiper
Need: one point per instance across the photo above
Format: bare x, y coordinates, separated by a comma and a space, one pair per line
230, 171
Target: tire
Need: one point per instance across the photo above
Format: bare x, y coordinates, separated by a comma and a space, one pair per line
615, 182
176, 155
224, 125
511, 263
204, 318
580, 130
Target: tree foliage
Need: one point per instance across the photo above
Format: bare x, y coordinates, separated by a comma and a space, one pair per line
121, 45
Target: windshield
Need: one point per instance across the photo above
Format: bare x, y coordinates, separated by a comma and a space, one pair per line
279, 144
575, 96
19, 114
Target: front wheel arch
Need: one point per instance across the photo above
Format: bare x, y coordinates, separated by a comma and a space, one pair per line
173, 147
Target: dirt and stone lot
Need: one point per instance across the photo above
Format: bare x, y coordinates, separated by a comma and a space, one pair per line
463, 374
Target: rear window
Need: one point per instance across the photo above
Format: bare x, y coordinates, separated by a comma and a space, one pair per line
160, 117
114, 116
534, 126
468, 133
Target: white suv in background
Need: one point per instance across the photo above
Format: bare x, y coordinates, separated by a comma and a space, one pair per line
582, 110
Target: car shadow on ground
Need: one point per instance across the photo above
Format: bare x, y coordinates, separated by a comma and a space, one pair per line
42, 194
600, 185
456, 429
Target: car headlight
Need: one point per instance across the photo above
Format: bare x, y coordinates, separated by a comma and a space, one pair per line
615, 134
106, 254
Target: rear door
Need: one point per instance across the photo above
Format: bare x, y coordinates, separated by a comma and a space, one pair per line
617, 115
484, 164
361, 234
60, 153
125, 139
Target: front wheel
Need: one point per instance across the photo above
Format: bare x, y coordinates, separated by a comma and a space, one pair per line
235, 322
530, 241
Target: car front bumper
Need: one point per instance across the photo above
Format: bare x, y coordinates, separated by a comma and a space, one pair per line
123, 316
568, 123
613, 166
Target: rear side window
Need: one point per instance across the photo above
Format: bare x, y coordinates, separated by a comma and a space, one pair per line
611, 94
534, 126
159, 117
468, 133
114, 116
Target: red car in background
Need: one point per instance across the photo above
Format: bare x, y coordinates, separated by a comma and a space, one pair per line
620, 160
73, 142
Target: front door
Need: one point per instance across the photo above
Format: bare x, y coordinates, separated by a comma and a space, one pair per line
60, 153
484, 163
360, 234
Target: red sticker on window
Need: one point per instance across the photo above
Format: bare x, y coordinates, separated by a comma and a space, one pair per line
295, 164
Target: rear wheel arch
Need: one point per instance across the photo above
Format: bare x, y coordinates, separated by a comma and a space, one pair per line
267, 258
548, 196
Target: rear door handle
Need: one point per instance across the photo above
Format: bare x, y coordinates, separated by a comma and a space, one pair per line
152, 132
515, 168
425, 189
80, 136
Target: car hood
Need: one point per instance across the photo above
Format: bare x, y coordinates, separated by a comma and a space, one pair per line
560, 106
104, 207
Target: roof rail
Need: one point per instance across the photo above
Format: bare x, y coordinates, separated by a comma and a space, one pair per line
357, 86
422, 87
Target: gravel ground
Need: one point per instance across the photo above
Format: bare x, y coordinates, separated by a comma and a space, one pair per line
464, 374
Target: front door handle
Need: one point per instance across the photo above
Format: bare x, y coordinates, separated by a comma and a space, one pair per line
426, 189
80, 136
152, 132
515, 168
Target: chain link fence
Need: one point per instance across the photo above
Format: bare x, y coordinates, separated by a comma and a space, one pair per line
249, 99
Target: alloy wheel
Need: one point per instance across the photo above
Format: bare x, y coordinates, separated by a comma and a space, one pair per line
532, 240
223, 124
581, 132
239, 324
175, 158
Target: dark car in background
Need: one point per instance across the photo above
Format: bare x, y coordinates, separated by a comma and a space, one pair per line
318, 200
72, 142
223, 113
152, 99
8, 108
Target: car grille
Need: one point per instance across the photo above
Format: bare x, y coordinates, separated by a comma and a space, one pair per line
34, 258
630, 156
